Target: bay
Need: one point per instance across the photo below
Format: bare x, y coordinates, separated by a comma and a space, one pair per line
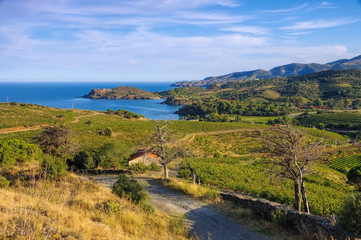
69, 94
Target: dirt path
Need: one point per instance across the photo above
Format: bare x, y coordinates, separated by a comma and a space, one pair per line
36, 127
204, 221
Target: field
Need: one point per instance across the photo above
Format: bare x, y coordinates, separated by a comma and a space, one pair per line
226, 155
345, 163
326, 189
341, 120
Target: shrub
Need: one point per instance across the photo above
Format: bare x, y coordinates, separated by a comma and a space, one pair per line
130, 189
108, 132
112, 155
354, 175
54, 167
4, 183
84, 160
350, 214
13, 151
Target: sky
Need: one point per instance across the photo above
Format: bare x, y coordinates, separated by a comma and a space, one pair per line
170, 40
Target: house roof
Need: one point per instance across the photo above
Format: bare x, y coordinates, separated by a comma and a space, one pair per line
141, 153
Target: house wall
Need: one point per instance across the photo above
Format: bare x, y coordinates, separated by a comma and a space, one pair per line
146, 159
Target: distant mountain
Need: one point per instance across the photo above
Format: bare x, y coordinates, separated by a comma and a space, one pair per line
122, 92
293, 69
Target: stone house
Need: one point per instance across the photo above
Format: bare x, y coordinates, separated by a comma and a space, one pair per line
144, 157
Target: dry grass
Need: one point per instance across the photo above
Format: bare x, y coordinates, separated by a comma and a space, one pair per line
76, 208
195, 190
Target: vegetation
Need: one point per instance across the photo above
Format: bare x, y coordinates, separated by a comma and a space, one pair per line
227, 155
345, 163
251, 176
292, 156
334, 89
41, 200
338, 120
130, 189
122, 92
13, 151
350, 215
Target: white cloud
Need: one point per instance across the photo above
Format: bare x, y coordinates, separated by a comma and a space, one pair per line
248, 29
319, 24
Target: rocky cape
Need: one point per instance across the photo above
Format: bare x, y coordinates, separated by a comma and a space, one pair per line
293, 69
123, 92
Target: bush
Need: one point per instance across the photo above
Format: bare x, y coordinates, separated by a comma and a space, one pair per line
84, 160
354, 175
112, 155
130, 189
350, 215
54, 167
13, 151
108, 132
4, 183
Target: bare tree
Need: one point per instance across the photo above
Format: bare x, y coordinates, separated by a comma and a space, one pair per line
292, 154
56, 141
161, 142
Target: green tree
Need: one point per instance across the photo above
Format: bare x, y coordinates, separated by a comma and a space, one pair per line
112, 155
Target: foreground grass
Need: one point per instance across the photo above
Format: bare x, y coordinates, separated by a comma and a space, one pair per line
195, 190
75, 208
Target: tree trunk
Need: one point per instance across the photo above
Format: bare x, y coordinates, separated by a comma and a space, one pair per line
304, 197
298, 198
165, 171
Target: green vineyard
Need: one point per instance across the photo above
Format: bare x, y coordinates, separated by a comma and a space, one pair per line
344, 164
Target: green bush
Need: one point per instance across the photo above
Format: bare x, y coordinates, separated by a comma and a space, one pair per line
4, 183
108, 132
112, 155
354, 175
84, 160
54, 167
130, 189
13, 151
350, 215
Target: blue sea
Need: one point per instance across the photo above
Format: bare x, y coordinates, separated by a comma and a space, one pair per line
68, 95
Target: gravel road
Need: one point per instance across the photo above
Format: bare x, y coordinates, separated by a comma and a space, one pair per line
204, 221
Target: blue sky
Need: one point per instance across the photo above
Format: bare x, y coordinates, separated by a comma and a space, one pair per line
169, 40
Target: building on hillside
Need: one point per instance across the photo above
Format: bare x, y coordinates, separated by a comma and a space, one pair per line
144, 157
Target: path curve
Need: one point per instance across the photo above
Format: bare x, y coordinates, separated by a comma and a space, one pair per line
204, 221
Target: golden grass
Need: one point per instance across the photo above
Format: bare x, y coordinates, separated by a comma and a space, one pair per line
195, 190
76, 208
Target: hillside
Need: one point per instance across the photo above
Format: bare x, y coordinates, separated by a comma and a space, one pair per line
122, 92
293, 69
332, 89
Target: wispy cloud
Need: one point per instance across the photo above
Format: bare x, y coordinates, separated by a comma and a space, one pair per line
287, 10
248, 29
319, 24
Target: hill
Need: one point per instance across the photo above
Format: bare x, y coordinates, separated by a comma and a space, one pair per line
332, 89
293, 69
122, 92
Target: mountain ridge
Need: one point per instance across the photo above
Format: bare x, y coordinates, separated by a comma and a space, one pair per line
292, 69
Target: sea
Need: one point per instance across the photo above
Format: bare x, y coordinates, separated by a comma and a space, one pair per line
68, 95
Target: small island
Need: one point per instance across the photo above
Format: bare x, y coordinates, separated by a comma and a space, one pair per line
123, 92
